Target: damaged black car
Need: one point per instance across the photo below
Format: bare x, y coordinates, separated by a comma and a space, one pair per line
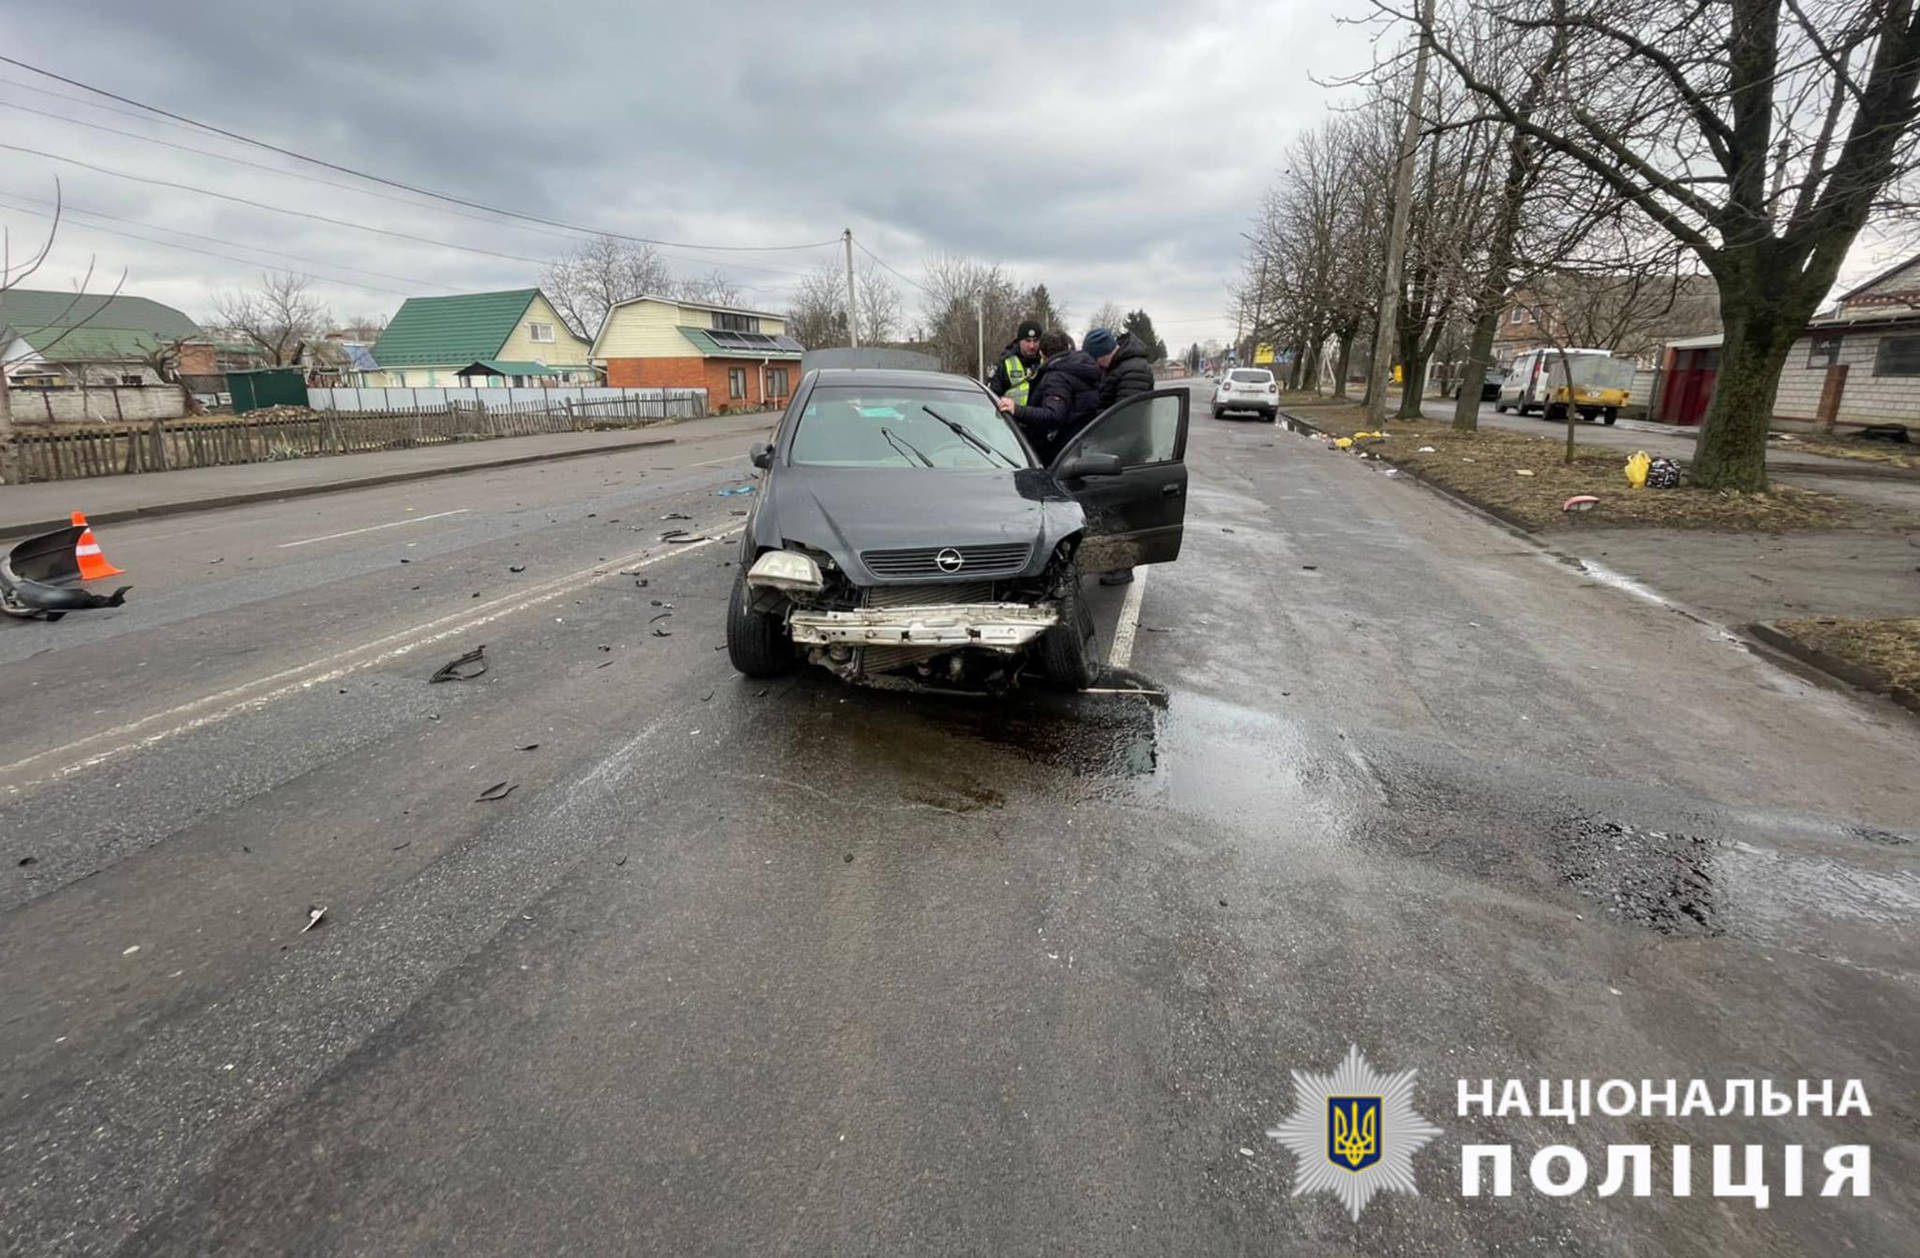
908, 535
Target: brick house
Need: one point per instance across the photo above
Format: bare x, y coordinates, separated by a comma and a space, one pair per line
1632, 315
742, 358
1858, 364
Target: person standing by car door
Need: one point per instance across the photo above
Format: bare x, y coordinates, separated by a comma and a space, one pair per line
1128, 368
1012, 376
1065, 395
1128, 374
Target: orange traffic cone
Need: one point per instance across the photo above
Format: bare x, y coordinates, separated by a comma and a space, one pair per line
86, 553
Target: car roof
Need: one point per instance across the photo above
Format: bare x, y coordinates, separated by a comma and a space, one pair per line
892, 378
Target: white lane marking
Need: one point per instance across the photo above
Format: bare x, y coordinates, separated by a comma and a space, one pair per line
1122, 653
375, 528
329, 668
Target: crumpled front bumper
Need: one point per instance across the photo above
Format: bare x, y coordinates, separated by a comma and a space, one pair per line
996, 626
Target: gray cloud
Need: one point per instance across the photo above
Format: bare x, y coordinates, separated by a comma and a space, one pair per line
1112, 152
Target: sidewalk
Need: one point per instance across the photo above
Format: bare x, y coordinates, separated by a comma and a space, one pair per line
43, 506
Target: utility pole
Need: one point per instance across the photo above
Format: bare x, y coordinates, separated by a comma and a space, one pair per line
1383, 335
853, 311
980, 331
9, 474
1259, 306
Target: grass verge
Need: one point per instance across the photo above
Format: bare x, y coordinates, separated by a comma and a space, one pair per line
1884, 453
1888, 648
1486, 468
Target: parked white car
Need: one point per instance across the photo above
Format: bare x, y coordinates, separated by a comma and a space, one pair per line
1247, 389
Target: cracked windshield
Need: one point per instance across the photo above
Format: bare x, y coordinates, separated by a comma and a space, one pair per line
1164, 629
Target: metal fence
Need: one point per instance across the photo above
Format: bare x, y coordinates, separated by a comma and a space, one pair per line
67, 452
634, 403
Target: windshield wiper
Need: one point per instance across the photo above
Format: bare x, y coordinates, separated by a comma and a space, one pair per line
967, 436
901, 447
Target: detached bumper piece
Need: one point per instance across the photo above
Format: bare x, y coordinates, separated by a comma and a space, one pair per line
42, 575
998, 626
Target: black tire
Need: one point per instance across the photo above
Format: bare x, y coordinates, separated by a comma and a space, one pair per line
1609, 415
1271, 417
1500, 408
1217, 412
757, 643
1067, 651
1552, 414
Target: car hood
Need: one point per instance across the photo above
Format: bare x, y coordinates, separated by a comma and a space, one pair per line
845, 511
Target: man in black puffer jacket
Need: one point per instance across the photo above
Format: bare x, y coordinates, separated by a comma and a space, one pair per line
1064, 396
1128, 366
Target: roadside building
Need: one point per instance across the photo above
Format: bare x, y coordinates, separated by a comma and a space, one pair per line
53, 339
1856, 364
743, 358
432, 340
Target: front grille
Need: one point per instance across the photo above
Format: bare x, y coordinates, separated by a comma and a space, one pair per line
930, 595
1000, 559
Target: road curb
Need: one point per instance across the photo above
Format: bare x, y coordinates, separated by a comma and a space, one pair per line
216, 502
1849, 675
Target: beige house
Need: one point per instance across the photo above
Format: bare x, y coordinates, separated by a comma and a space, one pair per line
506, 338
743, 358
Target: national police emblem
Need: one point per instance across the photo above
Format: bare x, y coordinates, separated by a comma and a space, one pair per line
1354, 1132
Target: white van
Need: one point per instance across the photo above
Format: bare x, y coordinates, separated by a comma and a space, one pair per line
1600, 386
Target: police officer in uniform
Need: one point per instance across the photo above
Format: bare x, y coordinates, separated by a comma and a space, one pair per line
1013, 374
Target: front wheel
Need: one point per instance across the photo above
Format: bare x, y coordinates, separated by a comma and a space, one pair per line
757, 643
1068, 650
1500, 408
1609, 415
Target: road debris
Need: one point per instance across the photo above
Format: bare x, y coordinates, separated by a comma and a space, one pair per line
516, 567
660, 617
662, 633
1523, 471
466, 668
498, 791
1427, 450
736, 491
676, 515
1582, 502
681, 541
314, 913
527, 747
25, 861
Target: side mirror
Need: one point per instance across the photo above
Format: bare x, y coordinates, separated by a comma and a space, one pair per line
1090, 465
761, 454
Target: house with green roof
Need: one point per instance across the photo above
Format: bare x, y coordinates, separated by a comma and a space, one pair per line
53, 339
508, 338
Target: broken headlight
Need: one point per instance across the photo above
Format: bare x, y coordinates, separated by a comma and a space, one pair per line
786, 570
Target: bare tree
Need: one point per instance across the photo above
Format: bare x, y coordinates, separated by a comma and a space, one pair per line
281, 316
969, 305
879, 306
73, 316
162, 357
586, 283
1107, 315
712, 289
1760, 134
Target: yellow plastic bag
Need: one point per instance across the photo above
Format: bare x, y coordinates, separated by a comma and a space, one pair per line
1344, 442
1637, 469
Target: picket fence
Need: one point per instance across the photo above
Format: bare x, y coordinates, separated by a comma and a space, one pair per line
66, 452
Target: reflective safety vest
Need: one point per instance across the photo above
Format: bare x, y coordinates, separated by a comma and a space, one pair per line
1019, 379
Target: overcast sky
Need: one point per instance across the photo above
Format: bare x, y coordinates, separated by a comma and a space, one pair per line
1113, 151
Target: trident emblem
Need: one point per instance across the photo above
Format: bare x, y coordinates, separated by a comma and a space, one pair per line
1353, 1131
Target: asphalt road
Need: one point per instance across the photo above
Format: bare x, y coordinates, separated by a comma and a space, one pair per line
749, 967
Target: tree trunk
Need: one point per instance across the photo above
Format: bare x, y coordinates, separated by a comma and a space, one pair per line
1343, 362
1413, 365
1761, 327
8, 470
1466, 410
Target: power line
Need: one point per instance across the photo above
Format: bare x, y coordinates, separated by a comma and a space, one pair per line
330, 183
883, 262
168, 244
406, 187
69, 208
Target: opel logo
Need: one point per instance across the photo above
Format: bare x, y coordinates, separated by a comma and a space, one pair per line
949, 560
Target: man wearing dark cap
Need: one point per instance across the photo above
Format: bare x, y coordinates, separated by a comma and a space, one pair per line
1012, 375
